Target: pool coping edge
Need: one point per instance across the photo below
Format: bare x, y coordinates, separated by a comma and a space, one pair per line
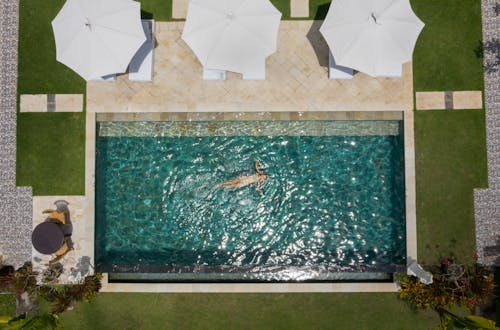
411, 238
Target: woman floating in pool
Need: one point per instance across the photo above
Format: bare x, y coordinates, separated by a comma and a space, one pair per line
246, 180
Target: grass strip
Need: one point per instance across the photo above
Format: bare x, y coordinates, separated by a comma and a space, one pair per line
51, 153
450, 152
248, 311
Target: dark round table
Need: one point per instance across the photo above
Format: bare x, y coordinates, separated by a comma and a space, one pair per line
47, 237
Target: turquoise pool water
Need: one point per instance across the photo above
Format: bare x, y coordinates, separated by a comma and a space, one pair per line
330, 202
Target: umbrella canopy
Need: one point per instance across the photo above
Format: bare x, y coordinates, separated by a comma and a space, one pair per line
371, 36
96, 37
231, 35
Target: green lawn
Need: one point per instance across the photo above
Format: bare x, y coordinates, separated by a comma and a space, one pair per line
159, 10
446, 55
7, 305
50, 146
247, 311
39, 72
318, 9
450, 151
50, 153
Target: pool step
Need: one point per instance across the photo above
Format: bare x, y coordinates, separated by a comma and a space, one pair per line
250, 128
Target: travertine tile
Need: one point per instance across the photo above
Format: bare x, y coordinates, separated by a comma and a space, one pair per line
247, 287
55, 102
79, 262
179, 8
468, 100
299, 8
33, 103
410, 189
295, 81
69, 102
430, 100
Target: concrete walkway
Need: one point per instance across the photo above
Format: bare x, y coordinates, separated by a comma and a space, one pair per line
449, 100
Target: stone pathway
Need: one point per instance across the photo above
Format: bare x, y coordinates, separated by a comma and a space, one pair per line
15, 202
51, 103
449, 100
487, 201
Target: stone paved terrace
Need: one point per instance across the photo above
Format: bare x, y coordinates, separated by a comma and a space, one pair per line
296, 80
487, 201
15, 202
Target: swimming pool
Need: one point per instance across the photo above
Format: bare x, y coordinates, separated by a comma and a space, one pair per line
332, 205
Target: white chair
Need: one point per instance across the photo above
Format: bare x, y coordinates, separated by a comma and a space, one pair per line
214, 74
416, 270
109, 77
256, 71
336, 71
141, 65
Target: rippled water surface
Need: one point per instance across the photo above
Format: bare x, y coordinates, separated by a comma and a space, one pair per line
328, 200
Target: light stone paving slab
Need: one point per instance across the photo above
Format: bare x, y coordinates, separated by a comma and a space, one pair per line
250, 116
79, 262
246, 287
33, 103
468, 100
430, 100
51, 103
69, 102
299, 8
297, 80
179, 9
410, 188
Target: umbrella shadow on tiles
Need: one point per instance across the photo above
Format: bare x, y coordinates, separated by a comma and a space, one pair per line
147, 47
145, 15
82, 268
318, 43
62, 206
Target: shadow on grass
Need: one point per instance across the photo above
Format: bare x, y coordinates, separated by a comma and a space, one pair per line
321, 11
146, 15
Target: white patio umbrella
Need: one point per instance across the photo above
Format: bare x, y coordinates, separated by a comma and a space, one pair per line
98, 37
371, 36
231, 35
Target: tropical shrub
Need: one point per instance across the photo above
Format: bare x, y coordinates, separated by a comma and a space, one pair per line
44, 321
6, 278
63, 296
469, 322
466, 285
25, 279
